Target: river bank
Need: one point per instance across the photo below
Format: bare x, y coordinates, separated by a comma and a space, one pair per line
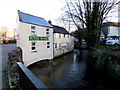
108, 58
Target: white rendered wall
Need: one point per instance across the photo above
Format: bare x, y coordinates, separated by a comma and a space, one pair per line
113, 31
118, 31
67, 44
42, 52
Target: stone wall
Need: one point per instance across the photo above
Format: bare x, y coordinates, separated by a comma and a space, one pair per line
13, 76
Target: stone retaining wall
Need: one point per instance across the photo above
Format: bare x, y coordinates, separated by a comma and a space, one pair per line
13, 76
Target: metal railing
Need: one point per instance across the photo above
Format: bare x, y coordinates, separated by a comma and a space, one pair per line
27, 80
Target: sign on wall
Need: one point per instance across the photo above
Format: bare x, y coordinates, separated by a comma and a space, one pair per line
38, 38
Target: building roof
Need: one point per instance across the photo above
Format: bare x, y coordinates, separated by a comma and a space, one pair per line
58, 29
116, 24
31, 19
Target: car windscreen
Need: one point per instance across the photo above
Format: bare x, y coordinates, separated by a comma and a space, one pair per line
112, 39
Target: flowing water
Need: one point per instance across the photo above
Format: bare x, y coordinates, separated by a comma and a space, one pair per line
70, 71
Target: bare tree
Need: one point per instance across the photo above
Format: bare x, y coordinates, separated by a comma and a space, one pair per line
89, 15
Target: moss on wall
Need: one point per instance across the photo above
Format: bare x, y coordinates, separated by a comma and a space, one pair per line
13, 75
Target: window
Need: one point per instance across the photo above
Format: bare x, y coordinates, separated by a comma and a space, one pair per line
55, 45
66, 43
33, 46
68, 35
64, 35
47, 31
48, 44
59, 45
33, 29
65, 47
59, 36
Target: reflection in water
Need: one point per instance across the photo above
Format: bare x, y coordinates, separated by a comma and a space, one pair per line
69, 73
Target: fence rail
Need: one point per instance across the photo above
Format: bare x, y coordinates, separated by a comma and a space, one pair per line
28, 80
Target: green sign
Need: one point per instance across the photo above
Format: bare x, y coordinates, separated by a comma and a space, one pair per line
38, 38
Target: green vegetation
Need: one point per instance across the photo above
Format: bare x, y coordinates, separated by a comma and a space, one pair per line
113, 71
53, 63
108, 58
6, 70
6, 76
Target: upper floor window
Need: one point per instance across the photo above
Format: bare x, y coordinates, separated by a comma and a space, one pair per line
64, 35
33, 46
33, 29
60, 45
68, 35
48, 44
55, 45
66, 43
59, 36
47, 32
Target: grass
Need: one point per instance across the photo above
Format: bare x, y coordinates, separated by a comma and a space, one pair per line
108, 57
6, 70
53, 63
113, 72
6, 78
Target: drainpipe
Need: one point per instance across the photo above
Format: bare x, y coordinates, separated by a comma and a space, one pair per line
53, 43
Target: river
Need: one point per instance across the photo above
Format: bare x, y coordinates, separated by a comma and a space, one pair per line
71, 71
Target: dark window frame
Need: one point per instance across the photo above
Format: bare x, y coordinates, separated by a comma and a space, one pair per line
33, 46
68, 35
47, 31
33, 29
59, 45
60, 36
64, 35
48, 44
55, 45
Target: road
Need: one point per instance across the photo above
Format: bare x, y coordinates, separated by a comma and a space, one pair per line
4, 50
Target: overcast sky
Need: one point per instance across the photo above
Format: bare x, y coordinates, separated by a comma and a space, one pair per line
47, 9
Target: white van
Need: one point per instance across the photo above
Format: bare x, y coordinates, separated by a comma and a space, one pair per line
113, 41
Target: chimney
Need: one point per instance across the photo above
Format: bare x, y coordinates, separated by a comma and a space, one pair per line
50, 22
20, 19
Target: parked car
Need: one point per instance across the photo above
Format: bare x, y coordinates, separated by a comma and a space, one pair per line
113, 41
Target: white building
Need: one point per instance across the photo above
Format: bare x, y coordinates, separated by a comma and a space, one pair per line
111, 29
39, 40
114, 31
63, 41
